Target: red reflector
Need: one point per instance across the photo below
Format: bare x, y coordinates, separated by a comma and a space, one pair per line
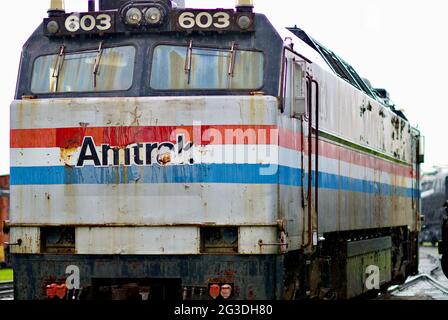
226, 291
51, 290
214, 291
54, 290
61, 291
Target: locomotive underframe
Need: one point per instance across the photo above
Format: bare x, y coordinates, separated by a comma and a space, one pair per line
295, 275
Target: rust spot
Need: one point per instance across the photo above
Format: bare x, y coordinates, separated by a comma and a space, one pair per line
221, 280
165, 158
66, 155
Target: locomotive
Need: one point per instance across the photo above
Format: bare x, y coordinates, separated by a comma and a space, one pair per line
166, 153
443, 244
434, 194
4, 216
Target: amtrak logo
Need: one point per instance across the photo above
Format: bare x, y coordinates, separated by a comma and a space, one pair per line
139, 154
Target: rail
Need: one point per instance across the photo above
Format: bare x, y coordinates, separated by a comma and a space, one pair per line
426, 276
6, 290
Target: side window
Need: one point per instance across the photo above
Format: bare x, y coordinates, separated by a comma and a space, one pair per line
299, 89
295, 87
288, 90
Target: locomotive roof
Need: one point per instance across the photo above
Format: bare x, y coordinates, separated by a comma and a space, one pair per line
317, 53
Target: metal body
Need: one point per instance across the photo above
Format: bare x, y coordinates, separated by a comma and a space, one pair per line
290, 183
434, 196
443, 244
4, 217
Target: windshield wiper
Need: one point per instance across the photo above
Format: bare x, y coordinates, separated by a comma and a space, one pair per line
188, 60
97, 63
58, 66
232, 59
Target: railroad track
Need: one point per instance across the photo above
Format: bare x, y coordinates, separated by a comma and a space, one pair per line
425, 286
6, 290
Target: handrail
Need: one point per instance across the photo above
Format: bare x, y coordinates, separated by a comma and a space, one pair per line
310, 160
316, 166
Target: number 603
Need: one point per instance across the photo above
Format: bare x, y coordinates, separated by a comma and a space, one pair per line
204, 20
88, 22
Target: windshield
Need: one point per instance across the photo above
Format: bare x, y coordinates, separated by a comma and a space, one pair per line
109, 69
183, 68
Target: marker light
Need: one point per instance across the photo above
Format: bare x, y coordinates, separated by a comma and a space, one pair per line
134, 16
214, 291
52, 27
226, 291
153, 15
244, 22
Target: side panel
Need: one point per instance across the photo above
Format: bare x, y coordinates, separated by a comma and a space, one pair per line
367, 176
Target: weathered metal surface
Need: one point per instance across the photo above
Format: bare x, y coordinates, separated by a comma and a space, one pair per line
358, 265
142, 240
358, 248
253, 277
258, 240
180, 204
118, 195
121, 196
30, 237
358, 257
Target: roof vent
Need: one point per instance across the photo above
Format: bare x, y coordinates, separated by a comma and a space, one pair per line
382, 93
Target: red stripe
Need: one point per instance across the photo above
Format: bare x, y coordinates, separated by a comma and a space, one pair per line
123, 136
229, 134
293, 140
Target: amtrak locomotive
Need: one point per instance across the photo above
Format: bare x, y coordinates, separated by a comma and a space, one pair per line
162, 152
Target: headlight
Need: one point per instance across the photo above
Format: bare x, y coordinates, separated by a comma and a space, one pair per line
153, 15
244, 22
52, 27
134, 16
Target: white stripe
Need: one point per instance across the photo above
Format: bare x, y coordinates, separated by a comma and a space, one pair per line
211, 154
220, 154
347, 169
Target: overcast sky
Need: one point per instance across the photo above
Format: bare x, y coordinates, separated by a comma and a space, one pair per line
398, 44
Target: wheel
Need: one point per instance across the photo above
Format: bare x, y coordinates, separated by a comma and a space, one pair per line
445, 264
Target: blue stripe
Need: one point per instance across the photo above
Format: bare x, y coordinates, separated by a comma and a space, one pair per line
213, 173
